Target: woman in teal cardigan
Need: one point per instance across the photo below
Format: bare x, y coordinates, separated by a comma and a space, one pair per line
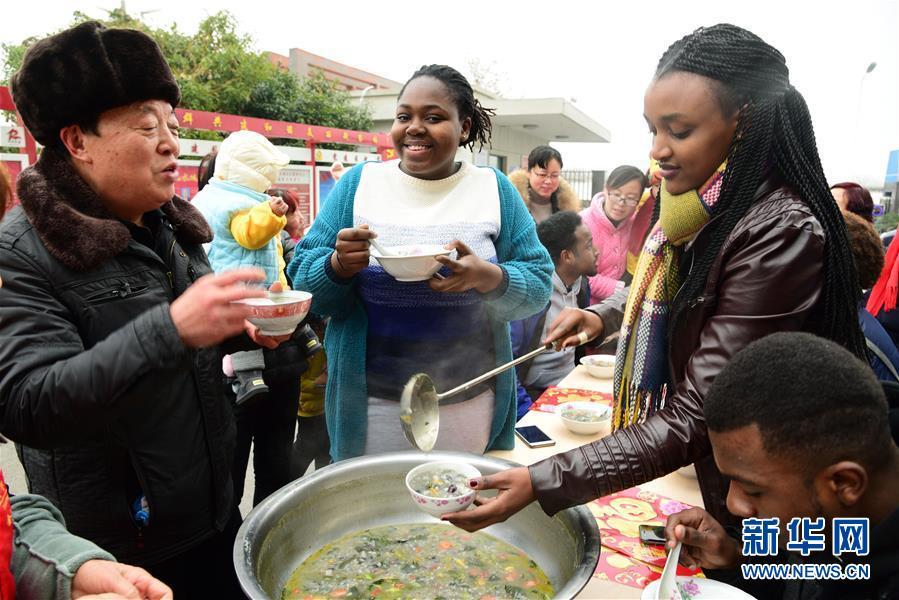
382, 331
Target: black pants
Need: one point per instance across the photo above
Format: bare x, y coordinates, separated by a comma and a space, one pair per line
267, 422
204, 571
312, 444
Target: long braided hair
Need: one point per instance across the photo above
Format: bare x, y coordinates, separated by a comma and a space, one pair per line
774, 135
466, 103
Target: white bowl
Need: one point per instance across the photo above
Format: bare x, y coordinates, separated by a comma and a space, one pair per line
438, 506
278, 313
601, 412
694, 587
411, 263
599, 365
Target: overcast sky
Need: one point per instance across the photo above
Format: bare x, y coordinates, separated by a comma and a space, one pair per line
602, 55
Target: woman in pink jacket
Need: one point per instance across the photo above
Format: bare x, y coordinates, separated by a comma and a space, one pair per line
612, 219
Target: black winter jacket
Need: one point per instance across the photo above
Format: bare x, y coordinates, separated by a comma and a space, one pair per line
103, 399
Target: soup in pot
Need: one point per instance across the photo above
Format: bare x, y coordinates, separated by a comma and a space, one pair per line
426, 561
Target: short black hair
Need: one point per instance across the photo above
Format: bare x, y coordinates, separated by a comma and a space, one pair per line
463, 96
812, 400
556, 233
541, 155
625, 174
206, 169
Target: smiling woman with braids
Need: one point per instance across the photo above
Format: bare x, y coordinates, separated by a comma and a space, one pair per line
748, 242
383, 331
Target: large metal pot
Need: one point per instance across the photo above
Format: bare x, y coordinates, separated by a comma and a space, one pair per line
356, 494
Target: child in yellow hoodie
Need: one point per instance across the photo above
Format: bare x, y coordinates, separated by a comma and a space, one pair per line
246, 225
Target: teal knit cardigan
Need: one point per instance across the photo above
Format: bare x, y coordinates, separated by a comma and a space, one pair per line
527, 265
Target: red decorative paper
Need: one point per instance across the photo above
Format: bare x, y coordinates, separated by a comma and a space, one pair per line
619, 517
614, 566
554, 396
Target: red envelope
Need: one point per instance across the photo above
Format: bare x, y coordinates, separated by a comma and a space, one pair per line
553, 396
614, 566
619, 516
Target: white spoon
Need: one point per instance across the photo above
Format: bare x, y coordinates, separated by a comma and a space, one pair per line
383, 251
668, 582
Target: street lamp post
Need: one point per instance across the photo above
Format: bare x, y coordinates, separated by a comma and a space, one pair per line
859, 155
362, 95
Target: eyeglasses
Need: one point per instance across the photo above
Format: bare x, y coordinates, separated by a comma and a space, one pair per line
629, 200
553, 177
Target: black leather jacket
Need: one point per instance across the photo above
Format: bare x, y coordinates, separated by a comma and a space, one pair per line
767, 277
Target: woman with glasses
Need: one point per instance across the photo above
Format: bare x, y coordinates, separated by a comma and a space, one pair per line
542, 187
610, 219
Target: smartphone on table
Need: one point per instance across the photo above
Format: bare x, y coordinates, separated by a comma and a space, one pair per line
652, 535
533, 436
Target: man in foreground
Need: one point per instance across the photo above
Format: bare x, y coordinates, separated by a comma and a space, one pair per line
801, 428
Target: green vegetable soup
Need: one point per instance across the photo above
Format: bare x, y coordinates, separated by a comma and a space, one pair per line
418, 561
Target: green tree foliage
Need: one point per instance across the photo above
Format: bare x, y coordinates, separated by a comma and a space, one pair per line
314, 101
276, 97
12, 57
887, 222
322, 102
218, 70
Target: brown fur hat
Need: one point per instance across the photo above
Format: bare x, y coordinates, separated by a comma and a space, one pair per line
73, 76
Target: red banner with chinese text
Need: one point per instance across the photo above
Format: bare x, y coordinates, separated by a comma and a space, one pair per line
197, 119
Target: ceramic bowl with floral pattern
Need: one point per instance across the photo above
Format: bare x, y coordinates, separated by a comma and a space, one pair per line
441, 487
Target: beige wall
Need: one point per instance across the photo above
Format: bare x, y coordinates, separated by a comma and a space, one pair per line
514, 145
302, 63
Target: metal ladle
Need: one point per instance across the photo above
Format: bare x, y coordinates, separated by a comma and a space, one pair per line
420, 402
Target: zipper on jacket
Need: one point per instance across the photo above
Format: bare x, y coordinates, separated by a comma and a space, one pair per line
123, 290
676, 294
219, 482
168, 264
696, 302
693, 261
139, 542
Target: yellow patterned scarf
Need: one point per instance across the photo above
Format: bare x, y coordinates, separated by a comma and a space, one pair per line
641, 365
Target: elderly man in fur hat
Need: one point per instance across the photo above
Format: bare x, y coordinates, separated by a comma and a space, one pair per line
110, 367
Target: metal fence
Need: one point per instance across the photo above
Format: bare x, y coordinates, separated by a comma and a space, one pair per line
585, 183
